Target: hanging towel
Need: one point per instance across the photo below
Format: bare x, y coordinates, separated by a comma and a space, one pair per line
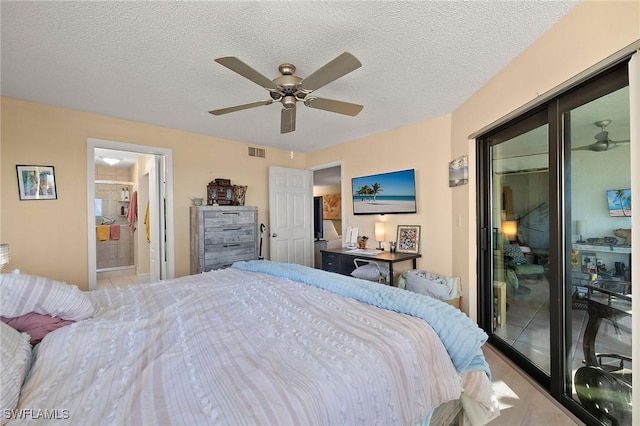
114, 232
146, 222
132, 214
102, 232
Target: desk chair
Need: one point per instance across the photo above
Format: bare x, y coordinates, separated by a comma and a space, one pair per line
517, 266
604, 395
371, 271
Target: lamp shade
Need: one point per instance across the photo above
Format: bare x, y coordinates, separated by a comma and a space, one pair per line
580, 227
510, 229
4, 254
379, 231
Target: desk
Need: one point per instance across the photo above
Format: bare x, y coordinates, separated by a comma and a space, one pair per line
601, 303
341, 260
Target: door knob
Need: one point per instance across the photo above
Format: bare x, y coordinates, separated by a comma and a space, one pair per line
274, 235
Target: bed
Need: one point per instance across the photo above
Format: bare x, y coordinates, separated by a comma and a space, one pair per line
258, 343
330, 235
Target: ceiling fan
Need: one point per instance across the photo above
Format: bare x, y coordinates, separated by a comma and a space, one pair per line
602, 143
288, 88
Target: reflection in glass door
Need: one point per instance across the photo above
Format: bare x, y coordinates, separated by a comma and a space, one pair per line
598, 278
520, 239
554, 249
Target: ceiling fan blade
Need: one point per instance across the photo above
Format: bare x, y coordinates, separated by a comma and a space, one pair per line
240, 107
288, 120
583, 148
342, 65
236, 65
331, 105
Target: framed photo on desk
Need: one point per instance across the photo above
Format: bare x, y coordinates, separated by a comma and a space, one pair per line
408, 239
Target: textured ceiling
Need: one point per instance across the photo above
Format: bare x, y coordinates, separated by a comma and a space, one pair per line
153, 62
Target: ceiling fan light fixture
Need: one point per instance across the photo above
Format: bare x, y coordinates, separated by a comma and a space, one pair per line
289, 101
602, 123
288, 88
603, 142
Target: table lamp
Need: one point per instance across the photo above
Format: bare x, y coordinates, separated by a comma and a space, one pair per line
510, 229
580, 228
4, 255
379, 232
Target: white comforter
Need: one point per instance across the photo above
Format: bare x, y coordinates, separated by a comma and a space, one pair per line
232, 347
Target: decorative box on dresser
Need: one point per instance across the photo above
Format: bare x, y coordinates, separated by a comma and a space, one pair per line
221, 235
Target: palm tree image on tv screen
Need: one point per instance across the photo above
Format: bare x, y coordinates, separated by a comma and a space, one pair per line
385, 193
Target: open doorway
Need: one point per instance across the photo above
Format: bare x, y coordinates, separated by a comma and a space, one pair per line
327, 192
130, 214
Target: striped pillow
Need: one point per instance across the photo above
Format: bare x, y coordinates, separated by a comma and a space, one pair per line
21, 294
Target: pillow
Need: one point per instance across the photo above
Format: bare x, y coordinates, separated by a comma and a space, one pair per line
35, 325
515, 253
22, 294
424, 282
437, 286
371, 272
15, 358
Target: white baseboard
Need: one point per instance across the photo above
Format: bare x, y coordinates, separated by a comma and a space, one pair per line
143, 278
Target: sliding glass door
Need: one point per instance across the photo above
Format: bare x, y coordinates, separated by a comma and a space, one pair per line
520, 237
598, 278
555, 281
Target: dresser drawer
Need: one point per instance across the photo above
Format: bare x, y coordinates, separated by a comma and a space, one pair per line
228, 248
222, 235
229, 235
223, 219
330, 262
338, 263
216, 259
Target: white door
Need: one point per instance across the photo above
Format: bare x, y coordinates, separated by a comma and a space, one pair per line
290, 215
157, 234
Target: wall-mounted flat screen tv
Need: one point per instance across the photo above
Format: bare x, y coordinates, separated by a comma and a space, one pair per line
385, 193
619, 201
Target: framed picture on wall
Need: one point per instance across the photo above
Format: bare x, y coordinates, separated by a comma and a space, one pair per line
36, 182
408, 239
589, 263
332, 206
459, 171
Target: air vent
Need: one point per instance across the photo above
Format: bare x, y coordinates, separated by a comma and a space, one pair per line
257, 152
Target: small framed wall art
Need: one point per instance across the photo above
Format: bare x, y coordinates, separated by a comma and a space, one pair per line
459, 171
408, 239
36, 182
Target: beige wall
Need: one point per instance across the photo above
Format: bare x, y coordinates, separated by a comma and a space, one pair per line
448, 215
326, 189
50, 237
423, 147
587, 35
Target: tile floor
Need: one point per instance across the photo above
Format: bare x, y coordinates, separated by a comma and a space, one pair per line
116, 278
522, 402
527, 328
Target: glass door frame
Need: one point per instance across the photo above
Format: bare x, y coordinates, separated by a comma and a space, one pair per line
609, 80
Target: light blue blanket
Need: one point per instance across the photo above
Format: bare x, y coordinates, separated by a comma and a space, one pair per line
462, 338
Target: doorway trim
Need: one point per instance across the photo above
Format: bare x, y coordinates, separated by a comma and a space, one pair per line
328, 166
92, 144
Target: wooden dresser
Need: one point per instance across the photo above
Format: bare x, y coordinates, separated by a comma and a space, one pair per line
221, 235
